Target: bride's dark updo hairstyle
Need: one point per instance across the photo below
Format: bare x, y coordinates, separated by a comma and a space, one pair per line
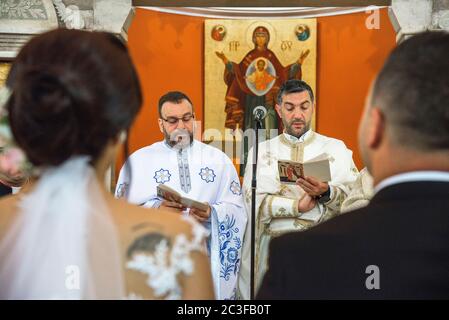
72, 92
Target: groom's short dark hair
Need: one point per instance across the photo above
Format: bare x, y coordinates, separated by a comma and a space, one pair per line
412, 90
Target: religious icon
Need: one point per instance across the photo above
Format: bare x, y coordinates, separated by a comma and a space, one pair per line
302, 32
247, 68
240, 99
260, 76
218, 32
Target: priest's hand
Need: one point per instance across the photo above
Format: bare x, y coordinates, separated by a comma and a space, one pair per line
312, 186
306, 203
172, 206
200, 215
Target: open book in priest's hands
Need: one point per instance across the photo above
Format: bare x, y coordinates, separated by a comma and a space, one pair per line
318, 168
167, 193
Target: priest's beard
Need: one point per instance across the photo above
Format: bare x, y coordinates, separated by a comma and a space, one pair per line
293, 132
178, 138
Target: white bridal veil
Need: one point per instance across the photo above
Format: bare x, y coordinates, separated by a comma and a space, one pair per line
63, 243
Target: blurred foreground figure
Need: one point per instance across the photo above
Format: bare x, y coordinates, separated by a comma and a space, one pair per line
69, 100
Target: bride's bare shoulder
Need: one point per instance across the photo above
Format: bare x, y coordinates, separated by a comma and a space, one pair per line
153, 233
7, 203
8, 207
130, 218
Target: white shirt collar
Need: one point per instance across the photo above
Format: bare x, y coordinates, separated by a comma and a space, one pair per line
295, 139
412, 177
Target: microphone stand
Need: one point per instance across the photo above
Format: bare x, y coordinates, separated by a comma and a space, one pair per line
257, 126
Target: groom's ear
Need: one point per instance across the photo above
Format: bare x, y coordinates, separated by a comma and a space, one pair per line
376, 129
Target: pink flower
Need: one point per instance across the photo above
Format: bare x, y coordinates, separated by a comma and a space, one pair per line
11, 162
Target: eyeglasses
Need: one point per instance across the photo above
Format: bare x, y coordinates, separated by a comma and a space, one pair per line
174, 120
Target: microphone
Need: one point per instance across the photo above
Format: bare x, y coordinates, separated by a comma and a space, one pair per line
260, 112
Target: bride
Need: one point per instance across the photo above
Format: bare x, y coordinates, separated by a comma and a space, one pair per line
69, 100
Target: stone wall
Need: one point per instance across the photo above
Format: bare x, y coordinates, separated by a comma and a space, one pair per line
20, 19
412, 16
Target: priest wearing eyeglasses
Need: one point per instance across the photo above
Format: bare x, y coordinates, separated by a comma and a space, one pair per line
197, 171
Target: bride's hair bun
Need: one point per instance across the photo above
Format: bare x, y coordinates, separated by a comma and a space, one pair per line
45, 112
72, 92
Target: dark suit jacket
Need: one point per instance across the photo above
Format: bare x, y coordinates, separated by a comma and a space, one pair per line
404, 231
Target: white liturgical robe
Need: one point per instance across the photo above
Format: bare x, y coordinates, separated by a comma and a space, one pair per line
277, 203
202, 173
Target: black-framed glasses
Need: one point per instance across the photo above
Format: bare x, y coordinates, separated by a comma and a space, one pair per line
174, 120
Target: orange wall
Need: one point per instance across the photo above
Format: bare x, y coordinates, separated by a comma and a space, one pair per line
168, 52
349, 57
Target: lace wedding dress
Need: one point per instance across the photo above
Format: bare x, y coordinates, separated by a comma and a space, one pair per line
164, 266
63, 244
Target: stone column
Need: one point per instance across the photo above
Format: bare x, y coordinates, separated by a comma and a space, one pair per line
21, 19
413, 16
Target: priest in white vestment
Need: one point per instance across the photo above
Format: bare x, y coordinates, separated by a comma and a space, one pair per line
280, 207
196, 171
361, 192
